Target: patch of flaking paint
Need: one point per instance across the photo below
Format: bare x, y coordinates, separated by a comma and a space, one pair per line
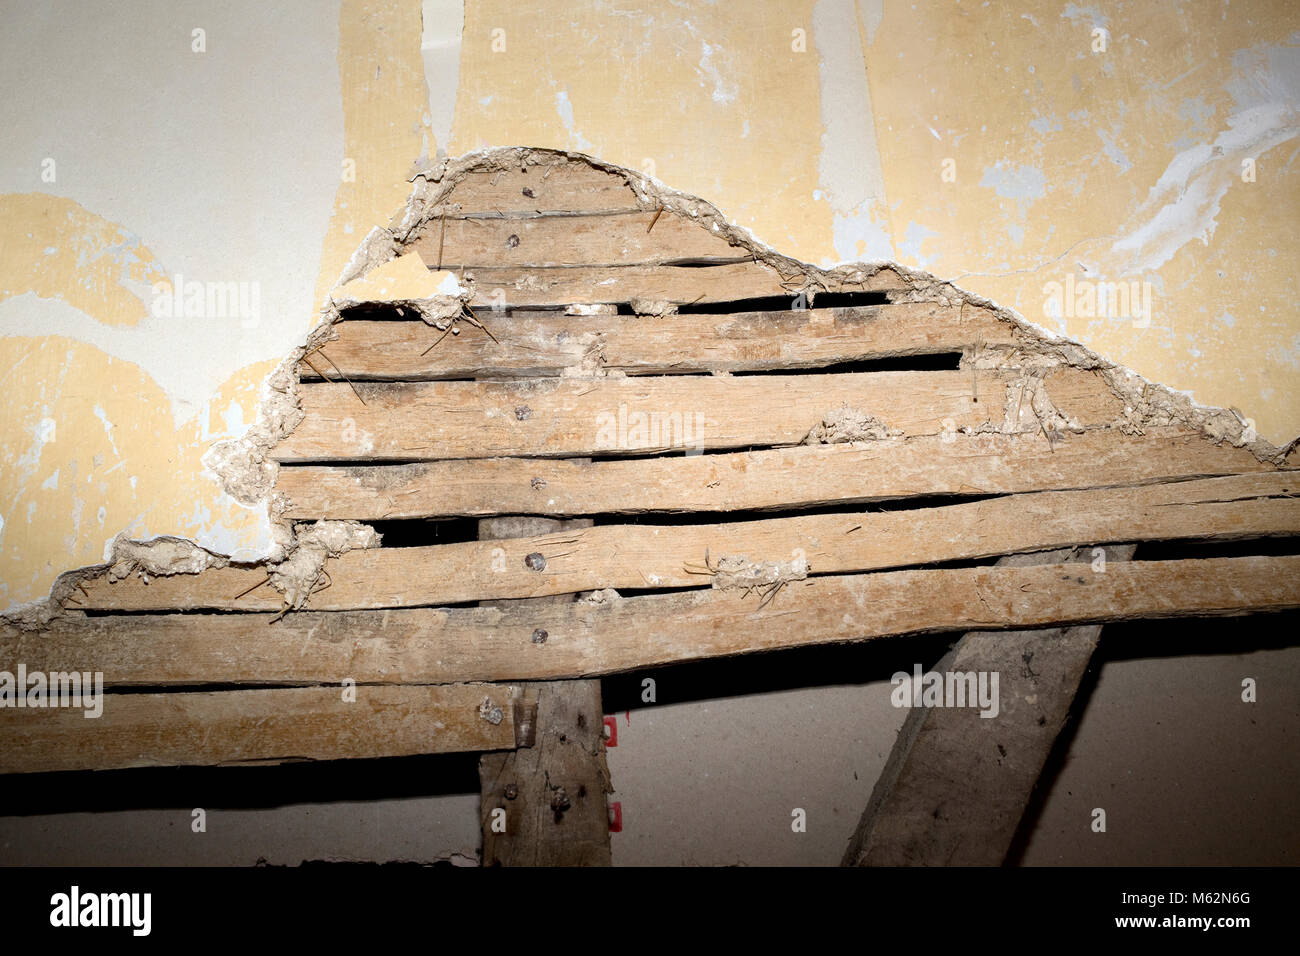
565, 110
1080, 14
57, 249
913, 238
848, 167
440, 42
1015, 182
1183, 205
724, 91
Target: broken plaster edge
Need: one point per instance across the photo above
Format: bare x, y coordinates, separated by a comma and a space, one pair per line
243, 468
1147, 403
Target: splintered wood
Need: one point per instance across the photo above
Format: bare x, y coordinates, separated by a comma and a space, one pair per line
764, 467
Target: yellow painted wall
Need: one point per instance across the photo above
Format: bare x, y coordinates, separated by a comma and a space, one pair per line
824, 127
91, 445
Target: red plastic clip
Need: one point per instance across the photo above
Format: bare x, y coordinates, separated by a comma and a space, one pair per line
611, 731
616, 817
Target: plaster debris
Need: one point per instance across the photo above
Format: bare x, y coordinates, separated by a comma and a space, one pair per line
736, 571
243, 466
303, 571
653, 307
403, 279
159, 557
1148, 405
529, 282
382, 269
379, 272
592, 363
1029, 354
600, 598
846, 424
1028, 408
377, 248
38, 615
409, 285
597, 308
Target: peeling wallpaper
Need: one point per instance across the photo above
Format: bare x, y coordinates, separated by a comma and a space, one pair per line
1037, 154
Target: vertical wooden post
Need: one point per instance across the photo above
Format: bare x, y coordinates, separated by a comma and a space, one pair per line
544, 804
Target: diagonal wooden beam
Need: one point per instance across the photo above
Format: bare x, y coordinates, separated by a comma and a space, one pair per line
956, 784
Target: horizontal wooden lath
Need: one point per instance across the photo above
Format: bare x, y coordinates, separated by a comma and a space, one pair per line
562, 189
796, 477
583, 640
518, 288
248, 726
674, 556
618, 239
547, 343
645, 415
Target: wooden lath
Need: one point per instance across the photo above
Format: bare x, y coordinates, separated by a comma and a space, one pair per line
561, 189
794, 477
990, 455
607, 239
672, 556
567, 235
571, 417
250, 726
547, 343
586, 639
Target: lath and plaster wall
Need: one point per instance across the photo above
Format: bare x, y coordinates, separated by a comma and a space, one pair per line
1138, 142
1005, 151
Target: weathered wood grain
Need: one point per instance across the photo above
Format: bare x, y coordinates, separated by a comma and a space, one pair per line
564, 188
516, 288
795, 477
586, 639
252, 726
619, 239
649, 415
543, 804
547, 343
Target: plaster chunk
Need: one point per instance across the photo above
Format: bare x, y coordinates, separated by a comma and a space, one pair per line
736, 571
846, 424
